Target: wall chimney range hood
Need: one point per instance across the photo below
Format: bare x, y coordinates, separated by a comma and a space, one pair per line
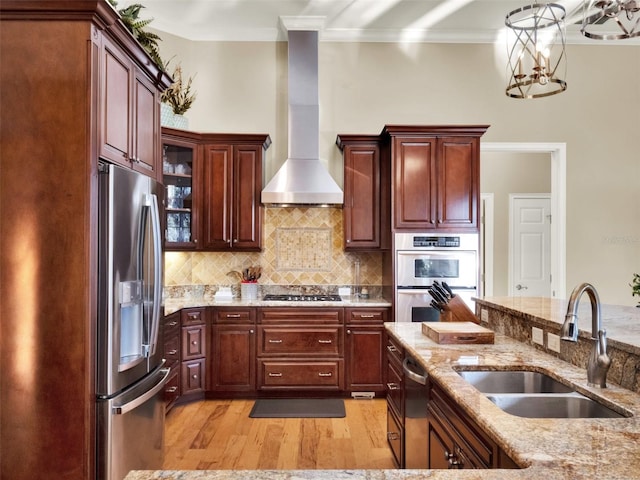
303, 180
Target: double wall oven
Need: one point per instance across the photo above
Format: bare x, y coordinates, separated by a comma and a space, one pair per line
421, 259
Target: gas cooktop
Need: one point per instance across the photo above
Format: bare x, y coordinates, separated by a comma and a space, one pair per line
302, 298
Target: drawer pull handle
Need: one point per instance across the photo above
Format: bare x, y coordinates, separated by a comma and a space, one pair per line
172, 352
328, 374
393, 386
233, 315
393, 436
275, 341
325, 341
171, 389
392, 349
194, 316
275, 374
172, 324
367, 316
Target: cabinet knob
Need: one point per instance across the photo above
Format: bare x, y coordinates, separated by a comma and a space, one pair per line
194, 342
172, 324
393, 436
194, 376
391, 348
348, 332
251, 331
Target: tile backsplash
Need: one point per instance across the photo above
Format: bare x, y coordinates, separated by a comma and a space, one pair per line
301, 246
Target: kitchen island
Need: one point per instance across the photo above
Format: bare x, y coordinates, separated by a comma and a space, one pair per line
544, 448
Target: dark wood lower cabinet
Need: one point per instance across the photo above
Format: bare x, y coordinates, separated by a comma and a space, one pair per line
235, 351
455, 440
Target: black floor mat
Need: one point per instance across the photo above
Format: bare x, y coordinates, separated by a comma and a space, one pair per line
298, 408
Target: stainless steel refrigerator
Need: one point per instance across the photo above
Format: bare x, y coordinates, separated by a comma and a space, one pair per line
130, 375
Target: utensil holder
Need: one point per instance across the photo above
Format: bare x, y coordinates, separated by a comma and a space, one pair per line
249, 290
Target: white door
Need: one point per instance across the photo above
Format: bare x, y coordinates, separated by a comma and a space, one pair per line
530, 245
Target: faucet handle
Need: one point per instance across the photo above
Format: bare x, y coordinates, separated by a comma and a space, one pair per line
602, 342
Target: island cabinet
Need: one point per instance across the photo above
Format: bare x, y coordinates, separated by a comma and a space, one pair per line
300, 349
233, 351
455, 440
193, 352
130, 106
436, 176
395, 399
364, 347
213, 185
366, 193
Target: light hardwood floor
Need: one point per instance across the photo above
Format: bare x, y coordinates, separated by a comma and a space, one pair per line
219, 435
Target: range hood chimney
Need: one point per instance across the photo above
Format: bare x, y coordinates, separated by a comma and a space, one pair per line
303, 179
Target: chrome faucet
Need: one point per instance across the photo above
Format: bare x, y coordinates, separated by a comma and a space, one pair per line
599, 362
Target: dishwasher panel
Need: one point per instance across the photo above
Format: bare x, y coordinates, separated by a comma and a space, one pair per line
415, 415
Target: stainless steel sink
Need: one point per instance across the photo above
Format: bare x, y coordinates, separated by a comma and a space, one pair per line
572, 405
514, 381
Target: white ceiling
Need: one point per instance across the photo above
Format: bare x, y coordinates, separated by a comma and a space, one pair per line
449, 21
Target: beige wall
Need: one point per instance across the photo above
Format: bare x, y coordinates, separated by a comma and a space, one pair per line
502, 174
363, 86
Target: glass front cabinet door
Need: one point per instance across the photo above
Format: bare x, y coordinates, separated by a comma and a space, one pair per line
178, 162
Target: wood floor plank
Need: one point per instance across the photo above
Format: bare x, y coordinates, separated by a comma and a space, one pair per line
219, 435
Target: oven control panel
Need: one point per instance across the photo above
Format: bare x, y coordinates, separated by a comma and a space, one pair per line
439, 241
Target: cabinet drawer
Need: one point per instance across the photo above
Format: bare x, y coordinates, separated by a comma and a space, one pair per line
192, 376
301, 341
193, 342
192, 316
395, 437
394, 350
366, 315
171, 390
303, 374
172, 348
300, 315
234, 315
395, 388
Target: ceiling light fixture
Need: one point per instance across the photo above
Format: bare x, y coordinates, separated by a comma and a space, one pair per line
537, 63
623, 14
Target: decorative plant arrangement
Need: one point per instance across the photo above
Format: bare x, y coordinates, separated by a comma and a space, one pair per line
179, 95
635, 286
148, 41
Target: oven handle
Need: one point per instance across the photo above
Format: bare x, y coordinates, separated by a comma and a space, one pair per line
421, 379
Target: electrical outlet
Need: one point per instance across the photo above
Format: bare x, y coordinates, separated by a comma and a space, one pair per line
537, 335
484, 315
553, 342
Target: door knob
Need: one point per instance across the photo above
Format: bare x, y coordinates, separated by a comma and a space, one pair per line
521, 287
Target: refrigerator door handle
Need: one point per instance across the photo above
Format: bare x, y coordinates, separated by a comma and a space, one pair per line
136, 402
157, 269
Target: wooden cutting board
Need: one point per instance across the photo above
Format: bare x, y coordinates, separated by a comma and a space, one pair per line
457, 332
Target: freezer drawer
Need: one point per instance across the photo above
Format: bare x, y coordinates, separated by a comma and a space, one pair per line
130, 428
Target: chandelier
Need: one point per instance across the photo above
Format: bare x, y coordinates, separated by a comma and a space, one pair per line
537, 62
624, 14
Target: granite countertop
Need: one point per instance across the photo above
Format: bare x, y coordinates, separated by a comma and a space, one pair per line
173, 304
621, 323
567, 449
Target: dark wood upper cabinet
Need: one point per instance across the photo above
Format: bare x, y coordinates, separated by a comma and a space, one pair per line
130, 105
366, 198
436, 176
225, 179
